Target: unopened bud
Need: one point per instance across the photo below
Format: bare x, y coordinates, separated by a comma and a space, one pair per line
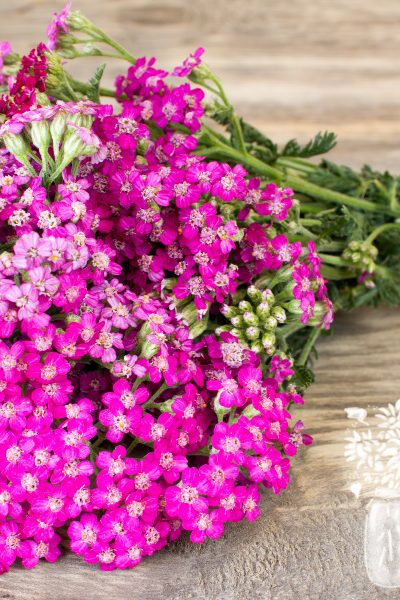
268, 340
229, 311
253, 333
270, 323
250, 318
257, 347
18, 147
294, 307
219, 410
198, 327
268, 296
263, 310
40, 135
254, 294
237, 321
244, 306
71, 318
279, 313
148, 350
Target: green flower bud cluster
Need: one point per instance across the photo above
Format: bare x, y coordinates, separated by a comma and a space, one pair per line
361, 255
254, 320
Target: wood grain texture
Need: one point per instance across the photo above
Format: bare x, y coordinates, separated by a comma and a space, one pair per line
292, 68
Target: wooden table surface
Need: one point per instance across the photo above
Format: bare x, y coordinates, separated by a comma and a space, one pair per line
293, 68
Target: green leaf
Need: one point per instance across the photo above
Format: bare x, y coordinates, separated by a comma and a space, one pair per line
93, 92
305, 376
320, 144
338, 178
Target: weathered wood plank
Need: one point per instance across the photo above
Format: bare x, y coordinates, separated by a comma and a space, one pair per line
292, 68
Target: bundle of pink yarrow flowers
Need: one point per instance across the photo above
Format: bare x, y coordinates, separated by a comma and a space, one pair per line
145, 378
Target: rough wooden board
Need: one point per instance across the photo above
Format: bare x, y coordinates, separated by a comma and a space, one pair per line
301, 66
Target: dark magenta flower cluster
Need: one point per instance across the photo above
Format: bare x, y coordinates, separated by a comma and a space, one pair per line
143, 388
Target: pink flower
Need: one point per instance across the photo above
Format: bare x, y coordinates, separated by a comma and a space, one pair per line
28, 251
187, 500
26, 299
53, 368
203, 525
275, 202
189, 64
120, 422
230, 183
57, 25
83, 533
10, 544
33, 551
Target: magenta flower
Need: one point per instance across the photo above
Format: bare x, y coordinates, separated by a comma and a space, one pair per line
10, 544
26, 300
203, 525
230, 183
120, 422
230, 440
58, 24
83, 533
187, 500
33, 551
192, 61
53, 368
275, 202
219, 471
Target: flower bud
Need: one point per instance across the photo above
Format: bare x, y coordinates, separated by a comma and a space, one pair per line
237, 321
144, 331
250, 318
237, 333
223, 329
253, 333
254, 294
279, 313
268, 341
72, 318
220, 411
250, 412
148, 350
189, 313
198, 327
58, 127
268, 296
229, 311
167, 405
294, 307
354, 245
263, 310
244, 306
19, 147
257, 347
40, 135
270, 323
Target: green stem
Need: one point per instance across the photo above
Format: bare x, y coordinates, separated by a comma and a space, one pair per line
82, 87
333, 274
233, 116
312, 338
333, 260
381, 229
288, 163
310, 222
156, 394
132, 446
99, 35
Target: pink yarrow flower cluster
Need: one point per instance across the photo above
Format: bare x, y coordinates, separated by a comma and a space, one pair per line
126, 416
